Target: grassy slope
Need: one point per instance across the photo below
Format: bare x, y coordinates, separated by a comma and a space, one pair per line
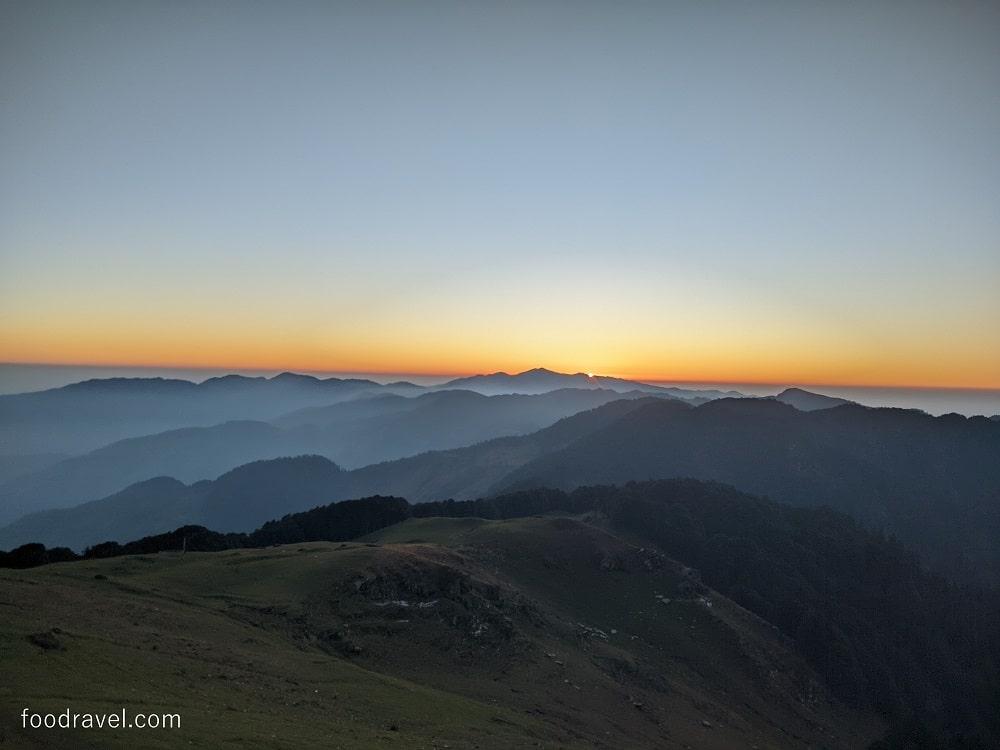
698, 658
153, 637
309, 646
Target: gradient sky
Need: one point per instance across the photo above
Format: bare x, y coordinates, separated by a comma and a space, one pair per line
789, 191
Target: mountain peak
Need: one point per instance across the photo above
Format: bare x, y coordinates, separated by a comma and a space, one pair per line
804, 400
229, 380
542, 380
294, 377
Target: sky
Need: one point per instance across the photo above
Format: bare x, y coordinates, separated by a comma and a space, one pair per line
703, 191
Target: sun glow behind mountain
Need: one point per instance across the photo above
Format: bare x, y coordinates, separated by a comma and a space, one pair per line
650, 191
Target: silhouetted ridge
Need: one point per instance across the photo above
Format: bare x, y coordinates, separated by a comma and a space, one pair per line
808, 401
231, 381
86, 415
540, 380
126, 385
933, 481
253, 491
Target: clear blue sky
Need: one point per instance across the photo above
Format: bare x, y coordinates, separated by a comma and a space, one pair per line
741, 191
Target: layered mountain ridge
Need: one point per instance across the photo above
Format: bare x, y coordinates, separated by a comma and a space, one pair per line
933, 481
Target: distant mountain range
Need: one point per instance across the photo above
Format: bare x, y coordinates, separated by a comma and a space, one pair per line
933, 481
157, 504
397, 427
541, 380
358, 432
85, 416
87, 440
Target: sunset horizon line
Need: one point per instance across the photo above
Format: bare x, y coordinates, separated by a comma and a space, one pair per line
378, 372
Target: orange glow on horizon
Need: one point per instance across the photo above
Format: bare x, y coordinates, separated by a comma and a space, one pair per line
352, 367
458, 338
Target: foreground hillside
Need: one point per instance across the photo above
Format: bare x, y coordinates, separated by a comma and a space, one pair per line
882, 634
534, 632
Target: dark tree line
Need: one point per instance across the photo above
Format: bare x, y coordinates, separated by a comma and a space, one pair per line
336, 522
